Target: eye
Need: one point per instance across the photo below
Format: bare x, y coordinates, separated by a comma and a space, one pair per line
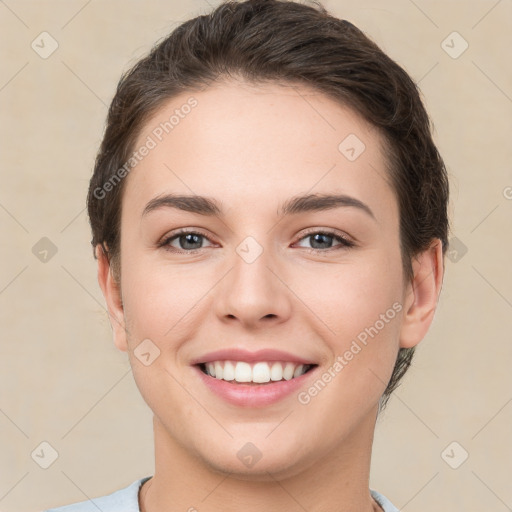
187, 241
321, 241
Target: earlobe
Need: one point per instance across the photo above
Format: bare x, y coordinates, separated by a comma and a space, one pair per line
422, 294
111, 292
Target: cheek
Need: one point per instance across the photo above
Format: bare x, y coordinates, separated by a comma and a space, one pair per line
158, 298
159, 307
351, 297
358, 310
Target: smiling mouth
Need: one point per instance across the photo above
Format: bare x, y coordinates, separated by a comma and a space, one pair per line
241, 372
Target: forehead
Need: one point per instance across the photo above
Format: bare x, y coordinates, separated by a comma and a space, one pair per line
248, 144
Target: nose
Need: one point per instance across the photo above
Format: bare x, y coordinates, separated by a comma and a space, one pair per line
253, 293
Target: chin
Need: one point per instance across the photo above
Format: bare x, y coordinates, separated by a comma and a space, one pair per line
253, 461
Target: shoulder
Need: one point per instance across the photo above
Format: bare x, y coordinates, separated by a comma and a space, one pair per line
123, 500
386, 505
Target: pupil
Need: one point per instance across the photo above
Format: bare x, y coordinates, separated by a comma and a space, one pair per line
192, 238
320, 235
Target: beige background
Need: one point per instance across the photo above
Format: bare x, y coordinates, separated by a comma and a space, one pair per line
62, 380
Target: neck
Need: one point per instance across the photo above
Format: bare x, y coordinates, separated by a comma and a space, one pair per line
335, 482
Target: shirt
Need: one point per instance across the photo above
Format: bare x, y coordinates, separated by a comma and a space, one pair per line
127, 500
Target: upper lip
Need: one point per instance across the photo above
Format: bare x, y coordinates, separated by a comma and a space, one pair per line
237, 354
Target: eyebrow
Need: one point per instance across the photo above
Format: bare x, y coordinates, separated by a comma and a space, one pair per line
210, 207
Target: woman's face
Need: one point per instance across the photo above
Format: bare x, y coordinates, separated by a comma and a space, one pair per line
320, 282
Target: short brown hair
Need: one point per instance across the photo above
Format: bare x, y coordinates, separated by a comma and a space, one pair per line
283, 41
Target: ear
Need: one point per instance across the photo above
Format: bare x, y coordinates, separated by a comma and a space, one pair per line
422, 294
112, 293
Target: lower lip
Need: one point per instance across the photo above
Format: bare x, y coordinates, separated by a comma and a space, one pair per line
251, 395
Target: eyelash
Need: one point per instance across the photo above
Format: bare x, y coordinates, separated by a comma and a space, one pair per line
345, 242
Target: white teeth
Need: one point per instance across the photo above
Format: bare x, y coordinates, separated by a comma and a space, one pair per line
243, 372
229, 371
218, 370
298, 371
260, 372
276, 372
288, 371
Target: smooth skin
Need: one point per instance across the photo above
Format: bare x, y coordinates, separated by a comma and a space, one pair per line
251, 148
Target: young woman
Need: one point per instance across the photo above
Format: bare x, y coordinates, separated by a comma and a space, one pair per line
269, 216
